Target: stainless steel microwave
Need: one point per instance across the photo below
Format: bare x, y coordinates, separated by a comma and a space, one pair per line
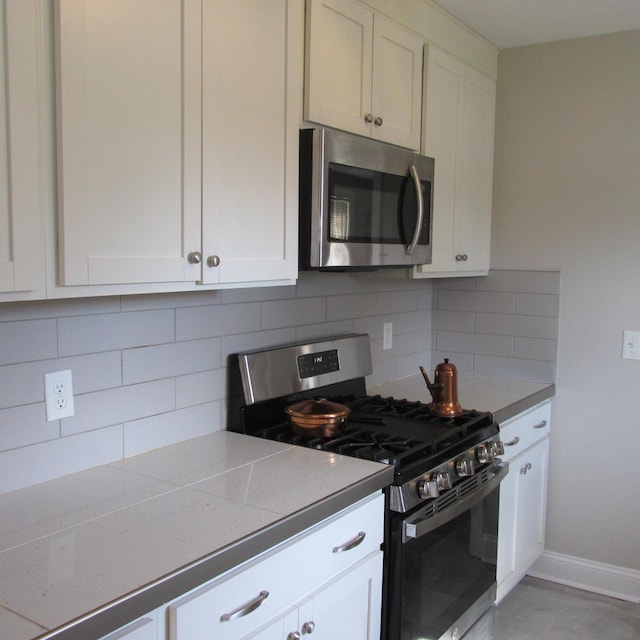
364, 204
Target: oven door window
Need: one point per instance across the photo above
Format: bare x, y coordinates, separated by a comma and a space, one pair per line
372, 207
437, 577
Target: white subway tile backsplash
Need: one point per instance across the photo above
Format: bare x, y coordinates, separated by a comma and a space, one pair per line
162, 430
167, 360
91, 334
150, 370
458, 342
193, 323
535, 349
293, 313
26, 425
198, 388
531, 370
453, 320
37, 463
535, 304
354, 306
487, 302
122, 404
27, 341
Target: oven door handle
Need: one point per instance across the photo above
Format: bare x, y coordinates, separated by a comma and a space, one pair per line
418, 528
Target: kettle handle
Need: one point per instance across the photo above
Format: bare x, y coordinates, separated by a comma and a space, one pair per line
433, 388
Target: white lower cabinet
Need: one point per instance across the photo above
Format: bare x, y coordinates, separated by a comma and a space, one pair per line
326, 582
523, 495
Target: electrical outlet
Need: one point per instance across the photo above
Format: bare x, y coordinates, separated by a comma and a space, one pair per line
631, 345
58, 395
387, 336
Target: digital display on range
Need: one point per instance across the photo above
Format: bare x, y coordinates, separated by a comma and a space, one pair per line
315, 364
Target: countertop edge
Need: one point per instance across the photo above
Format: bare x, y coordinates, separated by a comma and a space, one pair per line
132, 606
524, 404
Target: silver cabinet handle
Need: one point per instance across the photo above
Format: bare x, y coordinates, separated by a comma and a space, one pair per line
368, 118
245, 609
213, 261
195, 257
416, 233
351, 544
378, 121
513, 442
540, 425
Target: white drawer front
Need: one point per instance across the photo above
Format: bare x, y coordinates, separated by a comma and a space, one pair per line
287, 574
525, 430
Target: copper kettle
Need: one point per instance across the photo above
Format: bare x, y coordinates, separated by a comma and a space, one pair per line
444, 390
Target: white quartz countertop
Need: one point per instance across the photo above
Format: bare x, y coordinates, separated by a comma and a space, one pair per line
503, 397
86, 553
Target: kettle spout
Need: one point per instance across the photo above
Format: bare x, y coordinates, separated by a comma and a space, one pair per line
434, 389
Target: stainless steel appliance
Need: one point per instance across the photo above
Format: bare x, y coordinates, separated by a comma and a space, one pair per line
364, 204
442, 508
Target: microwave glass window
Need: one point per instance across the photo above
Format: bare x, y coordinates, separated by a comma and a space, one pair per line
373, 207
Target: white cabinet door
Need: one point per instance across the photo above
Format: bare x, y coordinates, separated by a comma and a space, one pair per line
458, 133
363, 73
396, 88
348, 607
249, 151
128, 82
523, 496
21, 249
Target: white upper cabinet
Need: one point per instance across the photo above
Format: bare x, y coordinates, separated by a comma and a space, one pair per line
21, 235
363, 73
174, 148
458, 133
249, 152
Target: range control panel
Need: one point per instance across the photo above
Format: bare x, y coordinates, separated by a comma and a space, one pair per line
315, 364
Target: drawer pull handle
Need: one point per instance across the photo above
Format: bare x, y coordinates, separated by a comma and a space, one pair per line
245, 609
351, 544
540, 425
513, 442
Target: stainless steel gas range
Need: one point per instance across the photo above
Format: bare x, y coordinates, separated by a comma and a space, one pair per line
441, 523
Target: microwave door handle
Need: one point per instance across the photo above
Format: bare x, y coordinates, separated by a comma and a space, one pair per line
416, 233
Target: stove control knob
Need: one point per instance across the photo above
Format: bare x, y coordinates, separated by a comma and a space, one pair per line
485, 453
443, 478
465, 467
498, 448
428, 489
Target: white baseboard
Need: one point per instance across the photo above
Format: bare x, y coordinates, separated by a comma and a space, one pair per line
597, 577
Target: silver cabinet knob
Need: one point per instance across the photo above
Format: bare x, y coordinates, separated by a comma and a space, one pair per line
378, 121
195, 257
523, 469
308, 627
368, 118
213, 261
465, 467
294, 635
461, 257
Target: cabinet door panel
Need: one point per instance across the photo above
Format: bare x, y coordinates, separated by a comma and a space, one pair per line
396, 85
246, 213
128, 115
339, 64
21, 250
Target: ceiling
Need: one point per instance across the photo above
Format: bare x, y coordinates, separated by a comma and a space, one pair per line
513, 23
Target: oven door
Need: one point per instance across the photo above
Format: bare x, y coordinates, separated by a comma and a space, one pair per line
441, 565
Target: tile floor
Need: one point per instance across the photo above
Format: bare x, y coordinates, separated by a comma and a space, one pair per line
541, 610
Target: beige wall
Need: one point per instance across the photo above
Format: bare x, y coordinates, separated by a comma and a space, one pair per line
567, 197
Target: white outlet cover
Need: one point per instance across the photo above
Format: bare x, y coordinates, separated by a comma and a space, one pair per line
58, 395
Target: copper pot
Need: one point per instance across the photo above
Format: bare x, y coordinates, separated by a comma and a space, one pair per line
317, 418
